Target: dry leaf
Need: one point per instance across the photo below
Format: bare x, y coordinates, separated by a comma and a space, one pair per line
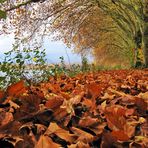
107, 140
2, 95
93, 90
115, 117
5, 118
17, 89
46, 142
60, 114
79, 144
54, 102
120, 135
108, 96
68, 104
87, 102
88, 122
63, 134
83, 136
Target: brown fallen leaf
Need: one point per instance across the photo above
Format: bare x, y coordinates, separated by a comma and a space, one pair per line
107, 140
115, 117
42, 117
102, 107
122, 94
77, 98
142, 139
27, 105
2, 135
46, 142
68, 104
65, 95
93, 90
129, 112
83, 136
9, 128
40, 128
141, 105
139, 141
98, 130
2, 95
144, 129
79, 144
60, 114
144, 96
67, 87
129, 129
54, 102
88, 122
36, 90
120, 135
62, 133
13, 105
108, 96
5, 118
48, 87
17, 89
87, 102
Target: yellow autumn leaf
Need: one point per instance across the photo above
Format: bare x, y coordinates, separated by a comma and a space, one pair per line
34, 59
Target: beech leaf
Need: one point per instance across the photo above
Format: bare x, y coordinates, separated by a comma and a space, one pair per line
46, 142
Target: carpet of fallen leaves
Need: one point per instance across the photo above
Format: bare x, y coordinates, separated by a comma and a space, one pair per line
105, 109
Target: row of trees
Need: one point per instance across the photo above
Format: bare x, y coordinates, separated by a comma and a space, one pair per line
112, 29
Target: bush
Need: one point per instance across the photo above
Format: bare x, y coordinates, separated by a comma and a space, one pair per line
27, 64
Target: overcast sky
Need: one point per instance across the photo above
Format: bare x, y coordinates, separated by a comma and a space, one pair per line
54, 50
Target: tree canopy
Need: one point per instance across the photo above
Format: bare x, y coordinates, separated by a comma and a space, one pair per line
100, 26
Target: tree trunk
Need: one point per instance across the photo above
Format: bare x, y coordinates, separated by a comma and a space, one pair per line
145, 32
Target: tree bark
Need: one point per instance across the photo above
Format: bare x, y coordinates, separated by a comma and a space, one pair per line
145, 32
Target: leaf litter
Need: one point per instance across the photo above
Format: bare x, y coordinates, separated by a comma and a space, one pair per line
103, 109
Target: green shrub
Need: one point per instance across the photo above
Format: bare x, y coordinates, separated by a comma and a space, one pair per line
27, 64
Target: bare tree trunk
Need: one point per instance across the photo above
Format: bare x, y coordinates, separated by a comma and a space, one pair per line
145, 32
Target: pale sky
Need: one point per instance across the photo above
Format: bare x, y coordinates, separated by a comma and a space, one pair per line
54, 49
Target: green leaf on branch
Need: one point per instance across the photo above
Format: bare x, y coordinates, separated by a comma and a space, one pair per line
2, 78
3, 14
18, 61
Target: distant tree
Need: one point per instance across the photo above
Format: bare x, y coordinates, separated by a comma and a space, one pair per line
100, 35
